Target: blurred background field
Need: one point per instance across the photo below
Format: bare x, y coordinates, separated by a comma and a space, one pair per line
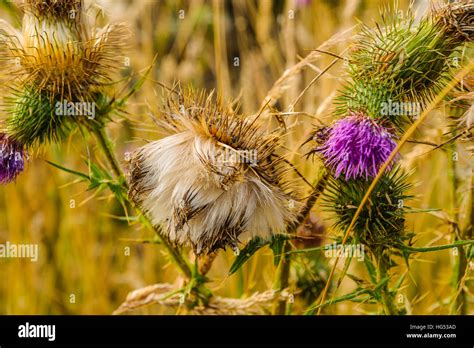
241, 48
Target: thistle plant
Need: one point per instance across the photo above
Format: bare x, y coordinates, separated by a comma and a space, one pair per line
395, 70
60, 68
58, 58
381, 223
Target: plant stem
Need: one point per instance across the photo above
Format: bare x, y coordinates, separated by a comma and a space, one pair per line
174, 253
387, 298
303, 214
107, 148
458, 302
282, 280
435, 248
205, 263
283, 272
350, 296
400, 247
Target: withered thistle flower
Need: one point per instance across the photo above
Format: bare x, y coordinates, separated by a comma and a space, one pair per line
456, 20
12, 159
60, 50
356, 147
58, 56
215, 179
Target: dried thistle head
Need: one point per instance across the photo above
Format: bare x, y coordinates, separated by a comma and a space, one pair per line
456, 20
53, 8
59, 56
217, 177
60, 50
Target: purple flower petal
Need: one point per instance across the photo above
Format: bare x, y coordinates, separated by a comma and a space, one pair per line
12, 159
356, 147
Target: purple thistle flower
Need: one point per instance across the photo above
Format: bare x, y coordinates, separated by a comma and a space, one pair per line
356, 146
12, 159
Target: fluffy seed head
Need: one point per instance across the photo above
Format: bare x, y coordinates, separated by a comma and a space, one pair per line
356, 147
12, 159
214, 179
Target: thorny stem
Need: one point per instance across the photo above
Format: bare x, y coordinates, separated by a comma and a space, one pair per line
434, 248
283, 271
174, 253
107, 148
387, 298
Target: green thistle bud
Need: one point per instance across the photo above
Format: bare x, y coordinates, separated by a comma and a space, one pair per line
33, 119
404, 62
381, 222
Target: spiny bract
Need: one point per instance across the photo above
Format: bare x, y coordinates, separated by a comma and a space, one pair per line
381, 221
404, 61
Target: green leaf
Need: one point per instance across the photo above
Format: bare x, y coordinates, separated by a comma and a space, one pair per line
136, 87
371, 270
399, 283
276, 244
79, 174
251, 248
